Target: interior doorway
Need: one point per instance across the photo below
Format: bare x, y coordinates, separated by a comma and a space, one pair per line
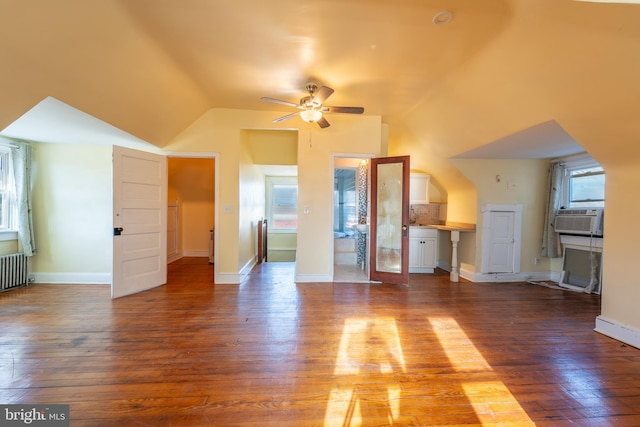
350, 217
192, 205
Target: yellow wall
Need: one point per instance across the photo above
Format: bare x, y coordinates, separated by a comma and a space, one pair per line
620, 291
218, 131
509, 182
191, 183
282, 247
251, 206
221, 131
273, 147
72, 209
351, 135
8, 247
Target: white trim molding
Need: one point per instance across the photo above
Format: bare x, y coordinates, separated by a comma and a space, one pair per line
234, 278
617, 331
8, 235
174, 257
72, 278
537, 276
226, 279
313, 278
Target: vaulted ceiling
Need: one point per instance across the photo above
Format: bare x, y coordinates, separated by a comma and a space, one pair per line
152, 67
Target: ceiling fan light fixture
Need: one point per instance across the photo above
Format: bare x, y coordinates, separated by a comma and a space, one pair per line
312, 106
311, 115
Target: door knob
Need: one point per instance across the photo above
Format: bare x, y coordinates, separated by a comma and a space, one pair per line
117, 231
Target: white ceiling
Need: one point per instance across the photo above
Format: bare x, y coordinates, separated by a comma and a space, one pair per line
53, 121
543, 141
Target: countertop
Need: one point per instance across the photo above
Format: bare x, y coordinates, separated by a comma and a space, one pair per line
446, 227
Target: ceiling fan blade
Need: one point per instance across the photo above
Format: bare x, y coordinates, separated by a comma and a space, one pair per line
323, 123
344, 110
279, 101
322, 94
288, 116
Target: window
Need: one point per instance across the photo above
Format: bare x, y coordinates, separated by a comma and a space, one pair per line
585, 187
344, 196
7, 192
282, 204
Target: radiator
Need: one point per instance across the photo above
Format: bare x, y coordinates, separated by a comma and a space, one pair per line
14, 271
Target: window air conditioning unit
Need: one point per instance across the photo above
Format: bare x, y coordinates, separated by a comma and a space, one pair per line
587, 221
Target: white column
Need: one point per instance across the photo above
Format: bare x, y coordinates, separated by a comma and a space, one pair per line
455, 238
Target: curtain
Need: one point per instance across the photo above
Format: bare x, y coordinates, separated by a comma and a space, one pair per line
550, 239
21, 156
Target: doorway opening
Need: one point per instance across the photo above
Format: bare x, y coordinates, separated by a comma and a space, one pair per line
274, 186
281, 206
350, 219
191, 197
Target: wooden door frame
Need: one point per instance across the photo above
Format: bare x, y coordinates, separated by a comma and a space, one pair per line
387, 277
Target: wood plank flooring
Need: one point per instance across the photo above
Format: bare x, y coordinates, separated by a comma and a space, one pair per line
271, 352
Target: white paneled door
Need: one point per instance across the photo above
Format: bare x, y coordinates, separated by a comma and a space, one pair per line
139, 221
502, 239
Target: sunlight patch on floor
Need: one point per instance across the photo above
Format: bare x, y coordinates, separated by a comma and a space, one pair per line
367, 341
491, 400
462, 354
368, 356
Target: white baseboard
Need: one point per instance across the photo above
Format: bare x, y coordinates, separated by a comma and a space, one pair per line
617, 331
244, 271
72, 278
473, 276
555, 276
313, 278
174, 257
234, 278
508, 277
226, 279
466, 274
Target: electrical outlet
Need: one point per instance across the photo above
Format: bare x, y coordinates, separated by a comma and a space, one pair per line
536, 260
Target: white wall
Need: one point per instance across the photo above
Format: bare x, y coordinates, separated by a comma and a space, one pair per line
72, 208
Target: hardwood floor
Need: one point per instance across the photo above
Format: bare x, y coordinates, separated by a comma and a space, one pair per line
274, 353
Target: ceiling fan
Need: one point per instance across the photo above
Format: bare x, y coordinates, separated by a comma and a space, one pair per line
312, 110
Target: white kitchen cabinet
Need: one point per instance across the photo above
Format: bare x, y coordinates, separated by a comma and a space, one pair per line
418, 188
423, 249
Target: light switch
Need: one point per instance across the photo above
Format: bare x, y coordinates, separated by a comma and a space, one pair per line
228, 209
